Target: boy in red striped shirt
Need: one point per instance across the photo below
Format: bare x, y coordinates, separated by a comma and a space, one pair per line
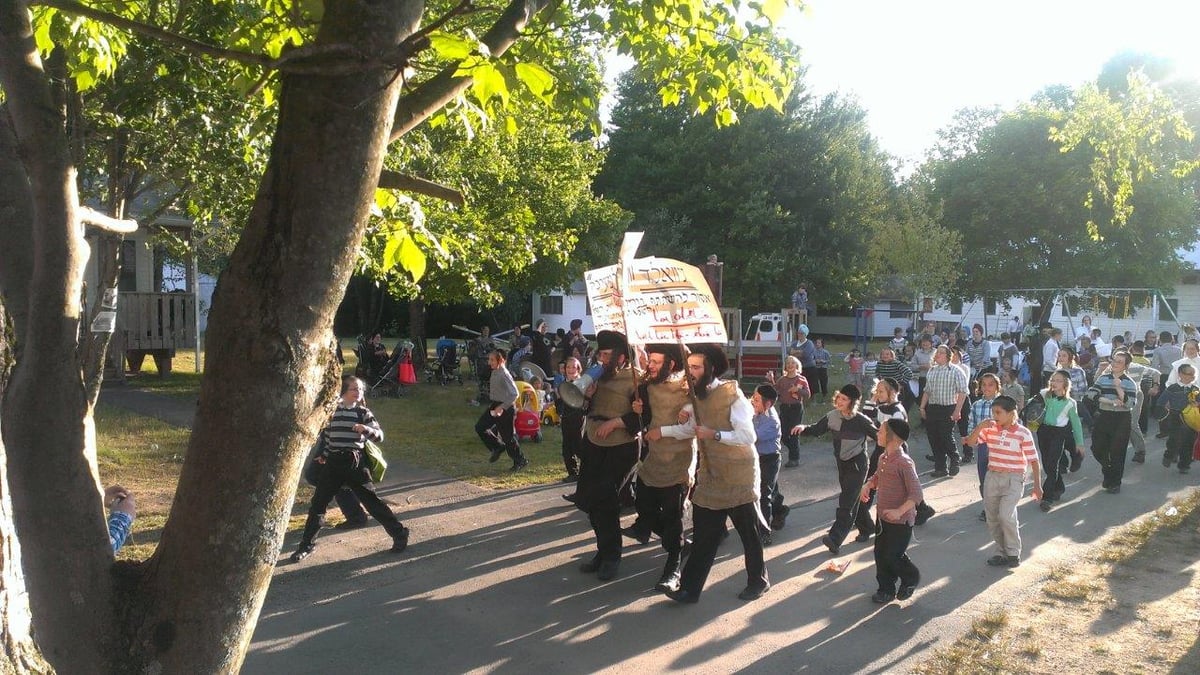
1010, 452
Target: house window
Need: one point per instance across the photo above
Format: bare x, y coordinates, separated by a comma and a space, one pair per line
927, 304
127, 283
898, 309
551, 304
1173, 303
989, 306
956, 306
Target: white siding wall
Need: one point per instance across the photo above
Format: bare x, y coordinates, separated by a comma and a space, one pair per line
574, 304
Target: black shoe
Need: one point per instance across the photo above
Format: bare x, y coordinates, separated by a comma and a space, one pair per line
681, 595
591, 566
633, 533
863, 537
573, 498
931, 458
669, 581
953, 471
967, 456
1046, 505
1076, 462
351, 524
400, 541
1114, 490
764, 537
939, 473
998, 560
303, 552
983, 516
571, 478
828, 541
608, 570
1168, 460
1139, 458
906, 590
753, 592
519, 464
779, 518
791, 464
496, 455
883, 597
1013, 561
924, 513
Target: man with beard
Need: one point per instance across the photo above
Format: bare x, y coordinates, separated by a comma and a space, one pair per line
665, 474
727, 479
609, 451
542, 348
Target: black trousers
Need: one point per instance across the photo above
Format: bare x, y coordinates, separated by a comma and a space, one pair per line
940, 430
820, 381
660, 510
1110, 442
891, 558
601, 476
1180, 440
499, 432
708, 528
572, 442
768, 488
789, 416
344, 469
852, 473
1056, 459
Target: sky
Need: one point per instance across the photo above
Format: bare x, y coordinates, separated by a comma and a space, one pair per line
912, 64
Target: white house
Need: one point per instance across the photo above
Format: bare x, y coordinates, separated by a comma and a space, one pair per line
559, 307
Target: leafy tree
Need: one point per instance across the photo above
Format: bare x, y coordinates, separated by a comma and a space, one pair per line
925, 258
782, 198
346, 78
1016, 198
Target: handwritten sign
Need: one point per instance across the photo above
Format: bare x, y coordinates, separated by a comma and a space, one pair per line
659, 300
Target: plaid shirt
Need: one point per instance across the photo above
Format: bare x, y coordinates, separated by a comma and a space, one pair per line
981, 410
943, 382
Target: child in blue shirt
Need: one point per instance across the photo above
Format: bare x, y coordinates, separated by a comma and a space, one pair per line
768, 434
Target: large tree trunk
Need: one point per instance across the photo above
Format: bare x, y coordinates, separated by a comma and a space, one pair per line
47, 428
271, 373
18, 653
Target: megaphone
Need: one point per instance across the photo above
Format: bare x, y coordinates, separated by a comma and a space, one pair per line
573, 392
527, 370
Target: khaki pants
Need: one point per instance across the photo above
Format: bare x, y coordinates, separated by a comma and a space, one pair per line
1001, 493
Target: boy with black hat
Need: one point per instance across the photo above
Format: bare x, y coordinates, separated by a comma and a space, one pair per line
609, 450
898, 491
853, 433
665, 473
727, 479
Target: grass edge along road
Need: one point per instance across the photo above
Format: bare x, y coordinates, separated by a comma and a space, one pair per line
1130, 606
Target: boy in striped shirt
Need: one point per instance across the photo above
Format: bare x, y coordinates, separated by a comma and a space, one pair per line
1010, 452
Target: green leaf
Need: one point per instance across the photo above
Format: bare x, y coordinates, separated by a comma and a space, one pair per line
412, 259
774, 9
489, 82
450, 47
538, 79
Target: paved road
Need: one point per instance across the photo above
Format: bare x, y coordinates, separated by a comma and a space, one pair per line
489, 584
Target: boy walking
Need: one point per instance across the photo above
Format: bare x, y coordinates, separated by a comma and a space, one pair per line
1180, 437
768, 435
1010, 452
898, 491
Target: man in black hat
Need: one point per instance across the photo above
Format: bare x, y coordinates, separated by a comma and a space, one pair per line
853, 440
609, 450
727, 478
665, 473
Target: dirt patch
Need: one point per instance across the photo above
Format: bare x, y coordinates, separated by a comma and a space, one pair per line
1132, 607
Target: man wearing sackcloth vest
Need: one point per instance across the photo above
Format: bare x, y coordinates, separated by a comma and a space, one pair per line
665, 473
610, 450
727, 476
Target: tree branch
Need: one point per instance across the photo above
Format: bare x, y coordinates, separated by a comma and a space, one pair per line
433, 94
393, 180
96, 220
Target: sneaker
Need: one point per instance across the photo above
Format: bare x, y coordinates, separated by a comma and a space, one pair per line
633, 533
571, 498
1116, 489
791, 464
998, 560
939, 473
753, 592
883, 597
953, 470
862, 537
591, 566
519, 464
906, 590
1139, 458
828, 541
496, 455
1076, 461
608, 570
303, 552
352, 524
1013, 561
400, 541
924, 513
931, 458
1045, 505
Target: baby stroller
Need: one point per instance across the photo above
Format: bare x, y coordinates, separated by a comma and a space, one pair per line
445, 368
398, 373
528, 420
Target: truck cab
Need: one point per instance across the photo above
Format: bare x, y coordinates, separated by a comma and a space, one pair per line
766, 327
